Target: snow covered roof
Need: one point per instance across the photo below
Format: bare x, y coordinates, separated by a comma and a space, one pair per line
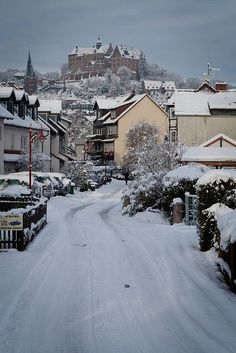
209, 154
134, 101
19, 94
110, 103
222, 100
4, 113
191, 103
200, 103
5, 92
32, 99
168, 85
25, 123
50, 105
91, 50
127, 52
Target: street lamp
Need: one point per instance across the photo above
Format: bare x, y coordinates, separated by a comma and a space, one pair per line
32, 136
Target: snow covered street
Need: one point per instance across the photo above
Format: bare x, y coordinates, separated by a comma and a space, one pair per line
94, 281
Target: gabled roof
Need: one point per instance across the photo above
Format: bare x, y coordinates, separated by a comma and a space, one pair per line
135, 101
33, 100
211, 154
205, 86
129, 53
20, 94
217, 138
91, 50
109, 103
6, 92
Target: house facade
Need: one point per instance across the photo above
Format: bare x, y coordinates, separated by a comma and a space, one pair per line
195, 117
115, 118
23, 110
49, 113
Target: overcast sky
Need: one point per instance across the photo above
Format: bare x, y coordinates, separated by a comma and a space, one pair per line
178, 35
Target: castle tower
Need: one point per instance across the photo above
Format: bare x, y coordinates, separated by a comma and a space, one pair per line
30, 84
99, 43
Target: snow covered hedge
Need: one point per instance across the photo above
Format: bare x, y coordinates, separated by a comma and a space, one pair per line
145, 191
179, 181
215, 186
222, 224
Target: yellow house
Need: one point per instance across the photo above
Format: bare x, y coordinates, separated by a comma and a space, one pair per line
114, 120
199, 116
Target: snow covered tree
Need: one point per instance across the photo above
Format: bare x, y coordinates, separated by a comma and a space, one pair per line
39, 160
80, 127
148, 159
142, 68
78, 173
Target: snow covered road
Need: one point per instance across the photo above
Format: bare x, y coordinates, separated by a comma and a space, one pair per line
94, 281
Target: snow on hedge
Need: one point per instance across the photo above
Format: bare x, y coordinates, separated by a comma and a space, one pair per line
217, 175
189, 172
226, 223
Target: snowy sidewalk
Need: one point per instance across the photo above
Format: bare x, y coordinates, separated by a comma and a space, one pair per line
96, 281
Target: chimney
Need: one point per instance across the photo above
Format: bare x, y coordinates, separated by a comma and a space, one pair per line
221, 86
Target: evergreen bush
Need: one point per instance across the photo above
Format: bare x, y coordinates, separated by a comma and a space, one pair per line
213, 187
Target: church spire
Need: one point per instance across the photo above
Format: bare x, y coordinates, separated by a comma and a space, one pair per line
29, 68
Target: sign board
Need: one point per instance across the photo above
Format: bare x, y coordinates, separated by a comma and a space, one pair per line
11, 223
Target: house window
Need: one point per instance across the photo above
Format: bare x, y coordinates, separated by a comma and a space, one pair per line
173, 123
109, 147
173, 135
112, 130
21, 111
98, 131
12, 141
23, 142
10, 107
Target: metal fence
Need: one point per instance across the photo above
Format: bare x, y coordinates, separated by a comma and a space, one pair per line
191, 206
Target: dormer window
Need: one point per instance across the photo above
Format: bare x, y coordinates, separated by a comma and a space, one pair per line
21, 110
10, 107
113, 114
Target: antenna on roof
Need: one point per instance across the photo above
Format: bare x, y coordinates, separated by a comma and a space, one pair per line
210, 72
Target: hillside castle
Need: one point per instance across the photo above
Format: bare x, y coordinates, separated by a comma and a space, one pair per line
94, 61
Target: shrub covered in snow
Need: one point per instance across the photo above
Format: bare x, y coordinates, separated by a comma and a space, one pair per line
215, 186
145, 191
221, 225
179, 181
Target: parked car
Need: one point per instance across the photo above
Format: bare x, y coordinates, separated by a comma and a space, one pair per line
14, 179
63, 183
38, 179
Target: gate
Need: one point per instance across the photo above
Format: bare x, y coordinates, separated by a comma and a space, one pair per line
191, 206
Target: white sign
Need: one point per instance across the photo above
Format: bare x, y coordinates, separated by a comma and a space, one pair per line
11, 222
